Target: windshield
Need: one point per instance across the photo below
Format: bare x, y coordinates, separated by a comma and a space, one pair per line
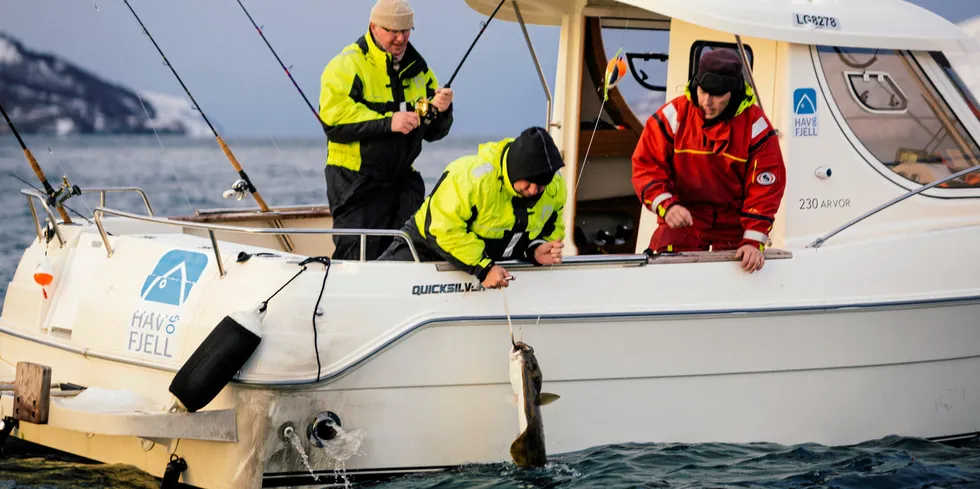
953, 67
898, 115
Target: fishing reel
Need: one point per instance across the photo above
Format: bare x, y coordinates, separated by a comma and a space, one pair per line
238, 190
425, 110
64, 192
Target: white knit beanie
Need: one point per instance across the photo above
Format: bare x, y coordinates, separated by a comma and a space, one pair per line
396, 15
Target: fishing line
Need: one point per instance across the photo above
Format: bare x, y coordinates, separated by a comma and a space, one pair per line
246, 181
509, 323
149, 120
41, 191
602, 105
266, 126
52, 194
63, 172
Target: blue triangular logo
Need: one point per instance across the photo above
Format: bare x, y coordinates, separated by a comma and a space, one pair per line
804, 101
173, 277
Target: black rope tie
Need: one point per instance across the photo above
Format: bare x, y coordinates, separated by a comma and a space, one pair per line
265, 303
326, 271
325, 261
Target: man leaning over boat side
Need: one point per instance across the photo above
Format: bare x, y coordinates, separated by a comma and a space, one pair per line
367, 96
503, 203
708, 164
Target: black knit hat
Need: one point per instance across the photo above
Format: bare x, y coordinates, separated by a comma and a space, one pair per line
534, 157
719, 72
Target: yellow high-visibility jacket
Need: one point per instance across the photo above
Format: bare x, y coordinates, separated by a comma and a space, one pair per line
359, 92
473, 217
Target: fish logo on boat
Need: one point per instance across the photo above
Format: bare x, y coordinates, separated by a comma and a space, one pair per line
173, 277
804, 101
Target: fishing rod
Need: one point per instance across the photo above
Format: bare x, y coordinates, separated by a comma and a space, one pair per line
245, 184
29, 184
54, 196
290, 75
482, 28
423, 107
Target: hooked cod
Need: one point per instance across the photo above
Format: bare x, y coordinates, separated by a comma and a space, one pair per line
525, 377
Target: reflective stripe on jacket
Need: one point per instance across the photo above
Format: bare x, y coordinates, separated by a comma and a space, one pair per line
728, 173
359, 93
474, 217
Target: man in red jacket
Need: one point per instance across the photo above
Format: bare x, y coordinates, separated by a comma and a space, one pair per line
708, 163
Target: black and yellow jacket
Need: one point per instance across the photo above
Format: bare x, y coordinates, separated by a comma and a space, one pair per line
473, 217
359, 92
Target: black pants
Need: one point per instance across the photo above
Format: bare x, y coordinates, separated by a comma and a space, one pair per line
399, 251
360, 202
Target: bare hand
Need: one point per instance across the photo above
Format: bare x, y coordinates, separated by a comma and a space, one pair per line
678, 216
497, 277
752, 258
444, 97
549, 253
404, 122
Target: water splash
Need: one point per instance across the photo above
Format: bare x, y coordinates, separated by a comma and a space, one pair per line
293, 438
342, 448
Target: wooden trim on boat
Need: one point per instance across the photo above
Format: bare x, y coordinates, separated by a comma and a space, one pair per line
712, 256
313, 212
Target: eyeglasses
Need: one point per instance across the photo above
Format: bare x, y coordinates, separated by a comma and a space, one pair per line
403, 32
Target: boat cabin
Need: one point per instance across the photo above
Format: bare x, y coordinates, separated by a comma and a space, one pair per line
865, 109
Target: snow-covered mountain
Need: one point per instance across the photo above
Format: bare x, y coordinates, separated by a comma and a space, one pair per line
45, 94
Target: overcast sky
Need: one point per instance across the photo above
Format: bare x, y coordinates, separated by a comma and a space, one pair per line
240, 85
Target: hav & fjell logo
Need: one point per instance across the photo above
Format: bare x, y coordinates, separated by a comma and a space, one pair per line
805, 112
172, 279
155, 322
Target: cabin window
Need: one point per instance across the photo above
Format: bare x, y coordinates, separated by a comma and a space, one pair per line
876, 91
645, 48
701, 48
893, 108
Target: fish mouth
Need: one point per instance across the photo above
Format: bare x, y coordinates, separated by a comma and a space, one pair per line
520, 347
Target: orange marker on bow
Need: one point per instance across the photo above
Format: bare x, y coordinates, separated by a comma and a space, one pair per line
44, 275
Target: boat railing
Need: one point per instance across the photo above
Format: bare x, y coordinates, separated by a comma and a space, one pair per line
43, 199
823, 239
537, 65
211, 228
107, 190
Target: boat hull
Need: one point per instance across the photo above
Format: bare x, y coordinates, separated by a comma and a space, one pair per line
438, 397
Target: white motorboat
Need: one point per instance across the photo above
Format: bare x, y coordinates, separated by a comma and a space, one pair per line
862, 324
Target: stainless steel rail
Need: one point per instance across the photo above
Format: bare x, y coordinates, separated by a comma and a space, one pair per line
211, 228
106, 190
43, 199
823, 239
530, 47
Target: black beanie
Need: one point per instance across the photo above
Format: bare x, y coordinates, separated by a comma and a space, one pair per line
534, 157
719, 72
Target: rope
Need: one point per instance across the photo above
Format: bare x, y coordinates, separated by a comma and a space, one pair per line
265, 303
325, 260
602, 105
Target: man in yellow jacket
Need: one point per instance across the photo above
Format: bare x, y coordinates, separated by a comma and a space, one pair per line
367, 96
503, 203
